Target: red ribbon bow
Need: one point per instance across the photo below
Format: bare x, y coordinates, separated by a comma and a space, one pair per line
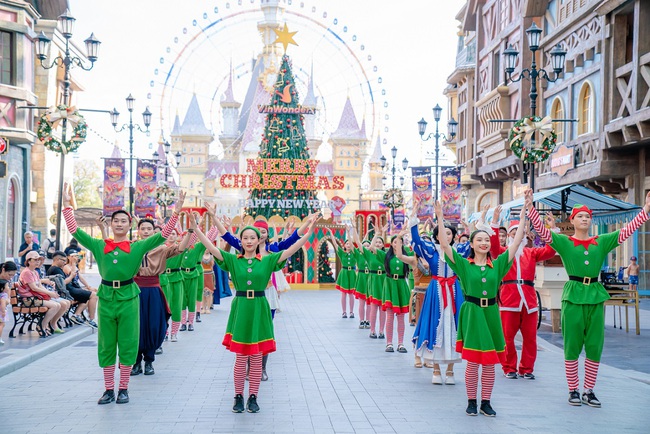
111, 245
447, 282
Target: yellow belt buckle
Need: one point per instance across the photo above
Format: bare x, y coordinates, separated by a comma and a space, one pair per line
395, 276
250, 293
586, 280
484, 302
187, 270
168, 271
367, 271
116, 284
379, 272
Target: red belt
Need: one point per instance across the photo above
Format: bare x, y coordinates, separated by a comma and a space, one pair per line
147, 280
447, 282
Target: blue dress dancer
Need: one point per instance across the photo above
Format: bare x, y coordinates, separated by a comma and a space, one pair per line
434, 338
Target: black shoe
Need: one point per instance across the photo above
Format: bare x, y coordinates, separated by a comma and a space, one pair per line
486, 408
511, 375
389, 348
136, 369
158, 351
351, 315
107, 397
367, 324
265, 376
166, 338
590, 399
574, 398
381, 336
372, 335
148, 368
198, 317
471, 408
239, 404
345, 315
251, 404
190, 328
183, 328
528, 376
122, 396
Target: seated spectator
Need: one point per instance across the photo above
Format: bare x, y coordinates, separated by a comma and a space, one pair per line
8, 270
28, 246
31, 286
73, 247
86, 298
4, 303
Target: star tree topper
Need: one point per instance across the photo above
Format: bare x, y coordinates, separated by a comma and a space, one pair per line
285, 37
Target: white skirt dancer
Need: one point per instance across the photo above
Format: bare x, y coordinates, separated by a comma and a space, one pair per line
444, 350
280, 281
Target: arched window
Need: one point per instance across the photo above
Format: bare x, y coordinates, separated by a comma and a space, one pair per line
586, 110
557, 112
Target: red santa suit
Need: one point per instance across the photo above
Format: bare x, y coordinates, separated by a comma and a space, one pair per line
518, 302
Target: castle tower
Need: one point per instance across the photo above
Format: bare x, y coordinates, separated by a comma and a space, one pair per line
376, 182
230, 111
314, 138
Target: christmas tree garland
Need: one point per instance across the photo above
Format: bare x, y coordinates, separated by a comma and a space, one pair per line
523, 131
51, 120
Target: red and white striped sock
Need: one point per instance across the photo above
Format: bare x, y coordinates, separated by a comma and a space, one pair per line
487, 381
239, 373
382, 320
191, 319
109, 377
400, 329
343, 294
571, 371
390, 320
372, 312
471, 379
591, 372
175, 326
255, 374
125, 375
362, 310
351, 302
184, 316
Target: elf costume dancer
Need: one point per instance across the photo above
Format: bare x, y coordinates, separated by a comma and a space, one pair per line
480, 335
397, 294
174, 280
361, 284
518, 299
249, 332
347, 278
118, 261
583, 318
435, 333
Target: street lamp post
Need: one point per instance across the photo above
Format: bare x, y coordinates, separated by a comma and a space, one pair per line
146, 117
177, 161
393, 170
66, 24
558, 54
422, 128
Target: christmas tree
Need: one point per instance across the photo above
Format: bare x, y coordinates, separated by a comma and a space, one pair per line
325, 274
283, 176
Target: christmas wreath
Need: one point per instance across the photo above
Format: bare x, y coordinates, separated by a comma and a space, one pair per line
51, 120
165, 195
521, 133
393, 198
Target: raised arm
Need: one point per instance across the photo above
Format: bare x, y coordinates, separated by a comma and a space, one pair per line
103, 227
636, 223
355, 236
411, 260
286, 254
536, 220
205, 240
519, 235
211, 210
444, 242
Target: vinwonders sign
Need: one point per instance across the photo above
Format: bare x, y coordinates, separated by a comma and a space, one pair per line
282, 174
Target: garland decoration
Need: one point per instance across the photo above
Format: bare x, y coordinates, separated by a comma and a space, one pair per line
393, 198
165, 195
523, 131
52, 119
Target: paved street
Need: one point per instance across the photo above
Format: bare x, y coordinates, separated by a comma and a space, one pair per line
327, 376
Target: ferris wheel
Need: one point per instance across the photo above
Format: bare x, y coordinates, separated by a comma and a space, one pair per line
199, 60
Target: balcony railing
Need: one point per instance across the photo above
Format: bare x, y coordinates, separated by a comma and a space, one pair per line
467, 56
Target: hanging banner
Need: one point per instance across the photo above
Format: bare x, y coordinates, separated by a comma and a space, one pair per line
114, 177
145, 189
422, 190
450, 194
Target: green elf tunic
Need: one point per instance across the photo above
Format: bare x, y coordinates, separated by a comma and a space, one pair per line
119, 305
376, 282
396, 294
175, 286
363, 276
199, 279
190, 276
480, 334
250, 326
347, 278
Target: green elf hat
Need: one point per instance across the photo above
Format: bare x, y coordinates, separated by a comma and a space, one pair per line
252, 228
579, 208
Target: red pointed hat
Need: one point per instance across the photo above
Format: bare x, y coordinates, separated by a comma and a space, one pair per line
579, 208
514, 224
261, 224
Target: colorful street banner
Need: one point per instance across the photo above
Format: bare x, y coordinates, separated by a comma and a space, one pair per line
450, 194
145, 189
114, 177
422, 190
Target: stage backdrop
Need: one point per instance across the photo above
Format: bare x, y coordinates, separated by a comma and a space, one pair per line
145, 188
114, 175
422, 190
451, 204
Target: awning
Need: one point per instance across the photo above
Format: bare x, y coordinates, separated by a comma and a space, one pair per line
606, 209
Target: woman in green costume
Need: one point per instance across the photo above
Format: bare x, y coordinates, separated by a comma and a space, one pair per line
396, 294
361, 285
249, 333
347, 278
480, 338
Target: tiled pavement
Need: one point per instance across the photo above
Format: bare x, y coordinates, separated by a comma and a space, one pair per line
327, 376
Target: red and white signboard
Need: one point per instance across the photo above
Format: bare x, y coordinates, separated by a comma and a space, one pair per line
4, 145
